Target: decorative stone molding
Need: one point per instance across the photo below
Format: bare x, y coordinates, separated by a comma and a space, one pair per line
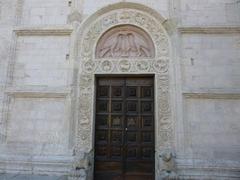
41, 31
92, 64
209, 30
39, 92
209, 95
212, 93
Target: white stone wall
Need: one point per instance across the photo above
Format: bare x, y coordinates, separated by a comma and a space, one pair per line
213, 128
209, 66
37, 126
211, 61
210, 12
36, 78
7, 20
34, 81
41, 61
45, 12
91, 6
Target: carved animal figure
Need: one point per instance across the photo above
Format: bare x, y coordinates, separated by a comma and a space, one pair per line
125, 44
167, 166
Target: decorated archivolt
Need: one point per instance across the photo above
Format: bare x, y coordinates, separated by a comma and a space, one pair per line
124, 41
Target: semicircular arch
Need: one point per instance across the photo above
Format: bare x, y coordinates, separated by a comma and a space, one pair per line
88, 36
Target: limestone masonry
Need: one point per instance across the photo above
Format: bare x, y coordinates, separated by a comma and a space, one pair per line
52, 51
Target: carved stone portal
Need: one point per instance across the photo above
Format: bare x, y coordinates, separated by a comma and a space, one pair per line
125, 41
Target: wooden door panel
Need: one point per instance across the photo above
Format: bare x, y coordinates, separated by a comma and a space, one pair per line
124, 130
132, 122
117, 91
116, 137
101, 121
117, 121
137, 177
134, 166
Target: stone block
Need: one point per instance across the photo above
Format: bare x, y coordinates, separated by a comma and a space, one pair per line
214, 127
42, 12
211, 61
42, 60
37, 126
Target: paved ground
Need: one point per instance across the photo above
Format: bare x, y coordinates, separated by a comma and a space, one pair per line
30, 177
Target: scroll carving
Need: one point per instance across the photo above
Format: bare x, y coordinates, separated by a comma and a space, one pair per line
125, 41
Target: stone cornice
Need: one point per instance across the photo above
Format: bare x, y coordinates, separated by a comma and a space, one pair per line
37, 92
46, 30
212, 94
207, 164
209, 30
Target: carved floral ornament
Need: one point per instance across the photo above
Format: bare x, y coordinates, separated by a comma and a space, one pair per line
124, 41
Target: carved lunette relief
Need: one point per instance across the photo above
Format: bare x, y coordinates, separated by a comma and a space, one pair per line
125, 41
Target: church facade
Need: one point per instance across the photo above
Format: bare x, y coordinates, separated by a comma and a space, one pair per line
143, 89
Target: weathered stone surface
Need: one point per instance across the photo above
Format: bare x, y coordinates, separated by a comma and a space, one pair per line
30, 177
48, 63
41, 61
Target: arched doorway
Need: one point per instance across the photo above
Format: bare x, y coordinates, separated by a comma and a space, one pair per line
124, 40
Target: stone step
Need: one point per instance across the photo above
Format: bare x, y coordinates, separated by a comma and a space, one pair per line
30, 177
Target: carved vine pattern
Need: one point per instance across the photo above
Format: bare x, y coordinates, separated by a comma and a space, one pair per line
90, 65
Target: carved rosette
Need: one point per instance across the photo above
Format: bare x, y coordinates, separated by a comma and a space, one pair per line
161, 65
106, 66
142, 66
124, 66
112, 60
89, 66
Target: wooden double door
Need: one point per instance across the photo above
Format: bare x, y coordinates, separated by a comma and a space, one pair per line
124, 129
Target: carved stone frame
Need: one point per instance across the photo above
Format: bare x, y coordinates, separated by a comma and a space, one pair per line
90, 66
